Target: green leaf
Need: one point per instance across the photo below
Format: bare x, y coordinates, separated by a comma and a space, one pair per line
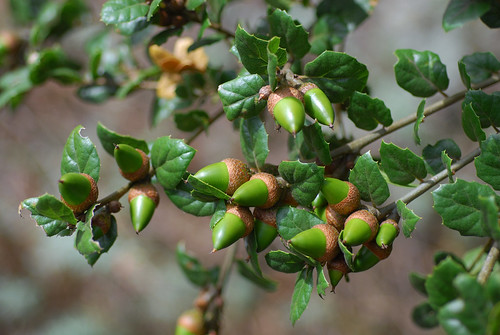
418, 121
253, 256
337, 74
181, 197
214, 9
432, 154
284, 262
247, 272
493, 326
207, 189
80, 155
239, 96
488, 162
134, 82
109, 139
347, 251
439, 284
14, 85
194, 271
425, 316
321, 281
489, 218
459, 206
328, 31
253, 140
366, 176
492, 17
291, 221
417, 281
460, 12
170, 158
192, 120
282, 4
298, 148
193, 4
408, 218
220, 210
313, 135
153, 8
420, 72
367, 112
301, 293
294, 38
253, 52
123, 11
51, 214
53, 63
209, 40
96, 93
306, 180
480, 66
272, 62
471, 124
462, 69
486, 106
401, 165
447, 162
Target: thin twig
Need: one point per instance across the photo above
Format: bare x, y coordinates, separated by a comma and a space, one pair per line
488, 265
210, 121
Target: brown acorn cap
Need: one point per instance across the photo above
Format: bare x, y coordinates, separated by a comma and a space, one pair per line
273, 188
369, 218
378, 251
334, 218
143, 170
114, 206
266, 215
280, 93
91, 198
306, 87
146, 189
393, 222
350, 203
244, 214
338, 263
265, 92
239, 173
332, 236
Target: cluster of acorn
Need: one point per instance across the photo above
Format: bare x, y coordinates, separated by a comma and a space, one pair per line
79, 190
289, 106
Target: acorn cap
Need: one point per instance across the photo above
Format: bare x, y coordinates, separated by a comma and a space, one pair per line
387, 233
132, 162
360, 227
337, 268
342, 195
143, 199
236, 223
190, 323
334, 218
227, 175
78, 191
239, 173
273, 188
266, 215
280, 93
319, 242
369, 255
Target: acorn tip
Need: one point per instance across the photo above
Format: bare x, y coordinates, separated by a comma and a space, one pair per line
213, 250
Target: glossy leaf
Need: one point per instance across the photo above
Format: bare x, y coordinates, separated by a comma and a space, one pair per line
439, 284
301, 293
471, 124
489, 219
220, 210
193, 4
253, 140
291, 221
432, 154
253, 256
194, 271
293, 37
153, 8
239, 96
192, 120
459, 206
284, 262
408, 218
123, 11
425, 316
401, 165
313, 135
305, 179
208, 40
214, 9
337, 74
272, 62
170, 158
417, 281
420, 72
96, 93
110, 138
367, 112
347, 251
14, 85
488, 162
418, 121
182, 198
486, 106
447, 163
80, 155
201, 186
459, 12
247, 272
462, 69
321, 281
480, 66
53, 63
298, 148
366, 176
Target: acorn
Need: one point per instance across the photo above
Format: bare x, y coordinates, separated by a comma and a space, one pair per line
236, 223
319, 201
287, 108
132, 162
191, 322
317, 105
333, 218
343, 196
321, 213
337, 268
262, 190
265, 228
143, 199
369, 255
319, 242
227, 175
360, 227
78, 191
387, 233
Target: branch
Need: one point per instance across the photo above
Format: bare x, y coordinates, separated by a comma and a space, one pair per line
488, 265
210, 121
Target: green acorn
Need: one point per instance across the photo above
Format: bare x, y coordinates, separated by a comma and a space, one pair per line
143, 199
132, 162
321, 213
191, 322
343, 196
78, 191
287, 108
227, 175
387, 233
317, 104
319, 201
262, 190
369, 255
337, 268
333, 218
236, 223
265, 227
360, 227
319, 242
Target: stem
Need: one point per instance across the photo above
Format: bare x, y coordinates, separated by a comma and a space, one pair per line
479, 255
210, 121
357, 144
488, 265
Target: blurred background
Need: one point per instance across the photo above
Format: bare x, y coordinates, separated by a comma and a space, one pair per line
47, 287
